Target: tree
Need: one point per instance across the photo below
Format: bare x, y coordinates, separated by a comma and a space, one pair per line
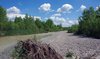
26, 25
30, 24
49, 25
3, 19
73, 29
89, 23
19, 21
39, 25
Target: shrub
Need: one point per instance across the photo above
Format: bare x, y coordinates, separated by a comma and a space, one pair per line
73, 29
89, 23
69, 54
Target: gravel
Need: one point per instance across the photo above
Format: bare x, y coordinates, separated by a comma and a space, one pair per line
6, 53
81, 46
63, 42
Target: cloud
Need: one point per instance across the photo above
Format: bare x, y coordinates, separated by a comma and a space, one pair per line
61, 20
97, 7
37, 17
45, 7
56, 15
13, 12
69, 23
65, 8
57, 20
83, 7
12, 16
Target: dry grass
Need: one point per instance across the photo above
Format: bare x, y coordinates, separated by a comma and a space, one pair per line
10, 40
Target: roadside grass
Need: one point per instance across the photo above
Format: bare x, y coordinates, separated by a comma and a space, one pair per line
7, 41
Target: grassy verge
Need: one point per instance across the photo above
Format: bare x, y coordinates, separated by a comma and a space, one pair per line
9, 40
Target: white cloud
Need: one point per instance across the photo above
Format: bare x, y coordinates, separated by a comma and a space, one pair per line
83, 7
69, 23
56, 15
57, 20
45, 7
61, 20
65, 8
35, 17
97, 7
12, 16
13, 12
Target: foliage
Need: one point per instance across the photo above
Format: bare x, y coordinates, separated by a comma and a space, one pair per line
73, 29
26, 25
3, 21
49, 25
89, 23
69, 54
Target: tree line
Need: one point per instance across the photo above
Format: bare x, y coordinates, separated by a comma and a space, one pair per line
26, 25
89, 23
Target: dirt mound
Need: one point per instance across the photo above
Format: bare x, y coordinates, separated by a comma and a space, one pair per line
34, 50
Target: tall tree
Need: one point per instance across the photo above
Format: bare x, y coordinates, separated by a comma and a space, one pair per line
3, 20
49, 24
89, 23
39, 25
3, 13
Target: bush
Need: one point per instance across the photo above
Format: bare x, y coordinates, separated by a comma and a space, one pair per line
89, 23
73, 29
69, 54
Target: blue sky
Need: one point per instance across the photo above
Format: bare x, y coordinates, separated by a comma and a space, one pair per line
68, 9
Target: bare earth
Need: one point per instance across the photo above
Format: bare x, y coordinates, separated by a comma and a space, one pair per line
62, 42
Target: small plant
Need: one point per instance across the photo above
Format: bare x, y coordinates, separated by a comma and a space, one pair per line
69, 54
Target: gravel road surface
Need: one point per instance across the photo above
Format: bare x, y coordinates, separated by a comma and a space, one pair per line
80, 46
62, 42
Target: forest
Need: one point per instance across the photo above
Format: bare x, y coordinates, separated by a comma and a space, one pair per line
26, 25
89, 23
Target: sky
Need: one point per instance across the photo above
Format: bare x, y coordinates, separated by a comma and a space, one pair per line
65, 12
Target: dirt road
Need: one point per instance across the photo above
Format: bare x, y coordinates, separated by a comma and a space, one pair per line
80, 46
62, 42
